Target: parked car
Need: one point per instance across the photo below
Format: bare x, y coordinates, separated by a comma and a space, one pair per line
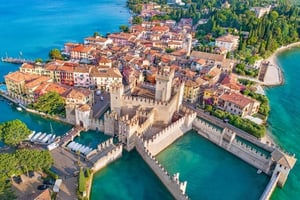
17, 179
31, 174
42, 187
48, 182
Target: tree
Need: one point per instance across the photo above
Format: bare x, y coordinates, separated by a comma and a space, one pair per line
13, 132
38, 60
55, 54
137, 20
124, 28
50, 103
96, 34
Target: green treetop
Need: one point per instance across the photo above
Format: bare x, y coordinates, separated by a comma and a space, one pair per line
55, 54
13, 132
50, 103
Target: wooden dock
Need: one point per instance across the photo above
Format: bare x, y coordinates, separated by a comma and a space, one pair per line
16, 60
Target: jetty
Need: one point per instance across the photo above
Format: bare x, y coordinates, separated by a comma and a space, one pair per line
70, 135
16, 60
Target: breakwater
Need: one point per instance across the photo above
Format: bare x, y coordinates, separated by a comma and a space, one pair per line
175, 187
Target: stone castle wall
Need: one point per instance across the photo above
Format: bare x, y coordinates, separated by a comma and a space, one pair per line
243, 151
176, 188
167, 136
111, 156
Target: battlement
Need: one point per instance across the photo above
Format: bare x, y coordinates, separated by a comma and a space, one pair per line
172, 183
165, 72
104, 145
206, 127
111, 115
165, 132
130, 122
116, 87
138, 100
251, 150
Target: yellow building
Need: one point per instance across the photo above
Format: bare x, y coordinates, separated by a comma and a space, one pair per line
21, 85
191, 91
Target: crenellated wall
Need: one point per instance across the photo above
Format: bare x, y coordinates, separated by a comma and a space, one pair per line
97, 124
172, 183
111, 156
226, 139
167, 136
251, 156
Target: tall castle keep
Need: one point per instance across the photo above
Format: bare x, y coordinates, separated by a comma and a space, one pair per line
132, 115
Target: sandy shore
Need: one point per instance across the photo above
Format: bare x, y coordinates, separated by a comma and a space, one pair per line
274, 75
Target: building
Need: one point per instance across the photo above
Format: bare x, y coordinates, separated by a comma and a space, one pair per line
82, 52
228, 41
21, 85
103, 78
238, 104
79, 96
191, 91
82, 76
261, 11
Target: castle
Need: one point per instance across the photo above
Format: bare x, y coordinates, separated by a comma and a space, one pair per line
131, 116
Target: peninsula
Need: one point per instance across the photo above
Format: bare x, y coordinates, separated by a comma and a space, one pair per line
145, 87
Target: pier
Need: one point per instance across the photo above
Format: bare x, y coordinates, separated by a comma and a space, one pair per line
16, 60
70, 135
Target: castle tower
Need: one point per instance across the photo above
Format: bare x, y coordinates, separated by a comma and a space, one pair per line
163, 88
188, 41
116, 93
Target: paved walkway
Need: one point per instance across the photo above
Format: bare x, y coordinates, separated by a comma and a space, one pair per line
65, 165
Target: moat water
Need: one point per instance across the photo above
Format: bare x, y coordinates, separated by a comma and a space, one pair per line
34, 27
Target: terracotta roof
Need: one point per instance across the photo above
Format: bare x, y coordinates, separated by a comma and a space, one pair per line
27, 66
96, 39
236, 99
207, 56
50, 87
190, 83
78, 93
84, 108
37, 81
82, 48
160, 28
20, 76
227, 38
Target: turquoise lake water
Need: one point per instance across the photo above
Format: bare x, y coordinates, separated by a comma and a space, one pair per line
34, 27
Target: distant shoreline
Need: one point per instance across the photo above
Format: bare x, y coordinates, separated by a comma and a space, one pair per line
274, 74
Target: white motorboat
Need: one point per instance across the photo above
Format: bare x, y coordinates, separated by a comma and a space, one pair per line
36, 136
41, 137
31, 135
19, 108
45, 139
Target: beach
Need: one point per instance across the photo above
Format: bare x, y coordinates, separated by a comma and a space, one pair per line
274, 74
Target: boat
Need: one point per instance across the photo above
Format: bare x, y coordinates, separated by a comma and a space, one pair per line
52, 138
35, 136
259, 171
45, 139
80, 145
81, 149
86, 150
70, 145
19, 108
41, 137
31, 135
75, 147
52, 146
